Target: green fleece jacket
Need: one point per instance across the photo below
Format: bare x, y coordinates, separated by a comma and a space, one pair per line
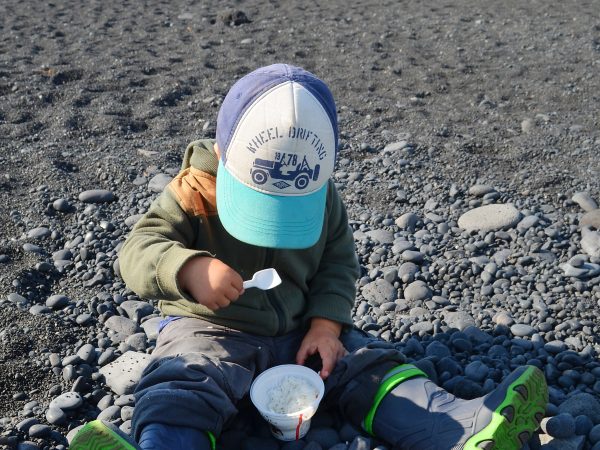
183, 223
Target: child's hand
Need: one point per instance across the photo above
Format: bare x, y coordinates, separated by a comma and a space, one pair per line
210, 282
322, 338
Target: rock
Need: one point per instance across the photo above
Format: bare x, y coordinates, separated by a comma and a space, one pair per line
582, 404
585, 201
559, 426
521, 330
396, 146
39, 233
159, 182
417, 291
57, 301
381, 236
62, 205
528, 222
591, 219
150, 327
590, 242
123, 374
39, 430
479, 190
137, 309
477, 371
67, 401
407, 221
97, 196
379, 291
122, 325
56, 416
459, 319
412, 256
490, 218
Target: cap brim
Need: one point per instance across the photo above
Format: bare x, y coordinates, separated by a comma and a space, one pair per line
265, 220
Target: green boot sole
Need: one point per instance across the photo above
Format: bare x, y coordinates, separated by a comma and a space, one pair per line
519, 409
96, 435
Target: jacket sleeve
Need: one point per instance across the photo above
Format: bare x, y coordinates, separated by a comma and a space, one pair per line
332, 290
156, 249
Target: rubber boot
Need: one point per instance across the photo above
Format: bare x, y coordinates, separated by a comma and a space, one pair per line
102, 436
418, 415
158, 436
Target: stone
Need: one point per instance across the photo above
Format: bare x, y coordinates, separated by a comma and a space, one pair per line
379, 292
521, 330
585, 201
417, 291
123, 374
459, 319
590, 242
150, 327
396, 146
479, 190
38, 233
57, 301
97, 196
560, 426
591, 219
137, 309
381, 236
407, 221
490, 218
122, 325
582, 404
62, 205
67, 401
158, 182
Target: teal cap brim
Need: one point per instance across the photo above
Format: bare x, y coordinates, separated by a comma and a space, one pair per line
264, 220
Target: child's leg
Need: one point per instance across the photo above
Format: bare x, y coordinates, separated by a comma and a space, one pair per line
188, 392
199, 372
414, 413
397, 403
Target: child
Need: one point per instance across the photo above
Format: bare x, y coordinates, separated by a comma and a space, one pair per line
258, 197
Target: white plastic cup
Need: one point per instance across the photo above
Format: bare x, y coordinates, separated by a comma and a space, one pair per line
292, 426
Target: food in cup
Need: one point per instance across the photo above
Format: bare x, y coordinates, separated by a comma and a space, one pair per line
291, 394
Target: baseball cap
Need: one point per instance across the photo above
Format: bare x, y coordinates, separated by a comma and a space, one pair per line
277, 136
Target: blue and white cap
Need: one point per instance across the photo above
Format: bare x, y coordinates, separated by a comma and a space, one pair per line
277, 134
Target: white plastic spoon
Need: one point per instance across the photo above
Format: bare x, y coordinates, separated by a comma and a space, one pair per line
263, 279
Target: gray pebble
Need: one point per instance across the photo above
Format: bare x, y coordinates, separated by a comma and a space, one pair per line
159, 182
97, 196
67, 401
560, 426
412, 256
521, 330
407, 221
584, 200
417, 291
39, 431
62, 205
56, 416
38, 233
32, 248
57, 301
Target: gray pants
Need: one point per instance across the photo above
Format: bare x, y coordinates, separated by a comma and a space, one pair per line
200, 371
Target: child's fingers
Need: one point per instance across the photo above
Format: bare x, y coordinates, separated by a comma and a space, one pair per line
305, 351
329, 360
